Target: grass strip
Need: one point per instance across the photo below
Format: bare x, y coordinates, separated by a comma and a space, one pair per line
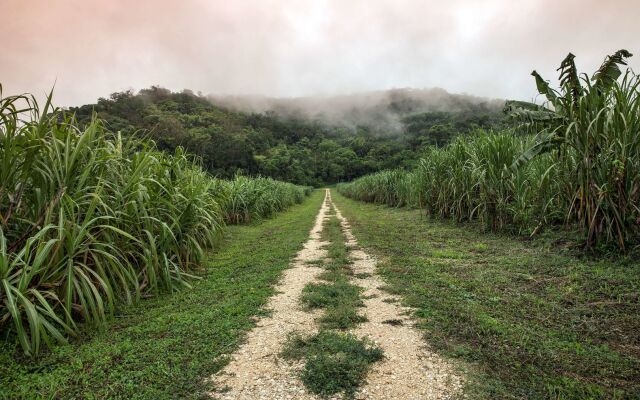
337, 296
335, 362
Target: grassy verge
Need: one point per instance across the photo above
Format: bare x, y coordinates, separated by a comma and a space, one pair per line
166, 346
536, 321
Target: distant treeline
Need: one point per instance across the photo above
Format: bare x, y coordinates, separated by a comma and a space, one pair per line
292, 148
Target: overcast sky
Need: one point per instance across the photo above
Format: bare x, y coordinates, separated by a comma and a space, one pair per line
91, 48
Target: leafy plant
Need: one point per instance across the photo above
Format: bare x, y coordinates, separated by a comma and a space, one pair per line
89, 219
593, 124
578, 163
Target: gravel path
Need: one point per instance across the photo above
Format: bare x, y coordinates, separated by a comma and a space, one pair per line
256, 371
409, 371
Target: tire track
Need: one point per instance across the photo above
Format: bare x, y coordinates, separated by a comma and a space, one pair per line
256, 371
410, 370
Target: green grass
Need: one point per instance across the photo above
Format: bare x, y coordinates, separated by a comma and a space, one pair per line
165, 347
339, 263
341, 317
329, 295
336, 362
337, 296
531, 318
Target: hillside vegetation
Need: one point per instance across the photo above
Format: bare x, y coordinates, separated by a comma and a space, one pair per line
282, 139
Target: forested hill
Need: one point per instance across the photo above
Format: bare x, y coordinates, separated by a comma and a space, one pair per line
347, 137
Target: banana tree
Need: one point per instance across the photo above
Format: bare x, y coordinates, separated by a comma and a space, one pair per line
551, 119
594, 124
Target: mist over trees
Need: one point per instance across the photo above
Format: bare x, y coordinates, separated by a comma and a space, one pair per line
310, 141
381, 111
